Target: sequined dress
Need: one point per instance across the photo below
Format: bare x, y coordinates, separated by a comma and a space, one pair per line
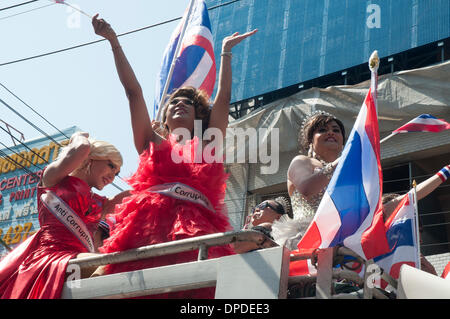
287, 231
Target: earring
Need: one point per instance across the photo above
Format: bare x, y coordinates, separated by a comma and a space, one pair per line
88, 168
310, 151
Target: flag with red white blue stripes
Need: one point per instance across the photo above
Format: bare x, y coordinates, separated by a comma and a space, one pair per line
195, 63
401, 235
424, 123
350, 212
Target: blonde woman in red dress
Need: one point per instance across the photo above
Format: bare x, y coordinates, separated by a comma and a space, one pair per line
69, 214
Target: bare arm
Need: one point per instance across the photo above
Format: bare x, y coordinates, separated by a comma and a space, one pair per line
246, 246
221, 107
140, 119
427, 186
301, 176
110, 203
78, 151
423, 189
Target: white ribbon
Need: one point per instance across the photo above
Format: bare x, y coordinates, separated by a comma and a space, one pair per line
183, 192
69, 218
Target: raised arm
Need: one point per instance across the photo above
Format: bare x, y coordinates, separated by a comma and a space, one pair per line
429, 185
221, 107
423, 189
77, 151
140, 119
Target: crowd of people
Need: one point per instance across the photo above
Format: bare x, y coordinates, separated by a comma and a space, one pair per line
152, 211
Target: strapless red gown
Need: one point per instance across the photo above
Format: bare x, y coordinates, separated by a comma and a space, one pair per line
146, 218
37, 267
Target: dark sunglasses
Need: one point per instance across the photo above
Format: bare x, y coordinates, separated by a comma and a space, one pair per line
265, 204
175, 101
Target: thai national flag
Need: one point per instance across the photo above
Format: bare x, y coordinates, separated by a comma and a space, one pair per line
424, 123
402, 239
350, 212
302, 267
195, 64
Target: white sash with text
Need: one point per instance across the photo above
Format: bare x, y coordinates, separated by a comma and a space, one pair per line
69, 218
184, 192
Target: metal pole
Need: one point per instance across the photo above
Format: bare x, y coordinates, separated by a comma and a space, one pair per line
172, 247
175, 57
416, 220
410, 174
202, 252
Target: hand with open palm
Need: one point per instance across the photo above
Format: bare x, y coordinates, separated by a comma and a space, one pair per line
230, 41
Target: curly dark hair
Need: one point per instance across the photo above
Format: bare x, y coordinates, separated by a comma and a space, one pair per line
201, 104
306, 132
388, 197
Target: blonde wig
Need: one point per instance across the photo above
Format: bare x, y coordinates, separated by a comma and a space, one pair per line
99, 150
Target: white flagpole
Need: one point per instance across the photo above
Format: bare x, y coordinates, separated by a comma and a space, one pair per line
416, 222
388, 137
172, 66
79, 10
73, 7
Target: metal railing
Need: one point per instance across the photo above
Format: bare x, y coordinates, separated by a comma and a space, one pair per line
267, 269
201, 242
325, 259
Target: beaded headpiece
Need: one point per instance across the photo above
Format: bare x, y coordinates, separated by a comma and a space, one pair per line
283, 201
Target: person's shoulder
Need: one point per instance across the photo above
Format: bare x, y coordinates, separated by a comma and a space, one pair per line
302, 160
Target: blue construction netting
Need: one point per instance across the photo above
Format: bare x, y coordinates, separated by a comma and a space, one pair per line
299, 40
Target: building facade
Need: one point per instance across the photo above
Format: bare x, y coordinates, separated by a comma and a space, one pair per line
301, 40
303, 58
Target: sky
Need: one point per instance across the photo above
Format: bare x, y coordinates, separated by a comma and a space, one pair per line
80, 87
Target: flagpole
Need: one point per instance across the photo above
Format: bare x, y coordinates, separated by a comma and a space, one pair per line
79, 10
172, 66
73, 7
374, 62
388, 137
416, 222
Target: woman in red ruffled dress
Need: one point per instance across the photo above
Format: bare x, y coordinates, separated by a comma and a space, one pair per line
171, 166
69, 214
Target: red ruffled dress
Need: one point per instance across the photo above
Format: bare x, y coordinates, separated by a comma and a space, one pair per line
37, 267
147, 218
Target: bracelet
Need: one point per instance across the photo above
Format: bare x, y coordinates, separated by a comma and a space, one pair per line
227, 54
444, 173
